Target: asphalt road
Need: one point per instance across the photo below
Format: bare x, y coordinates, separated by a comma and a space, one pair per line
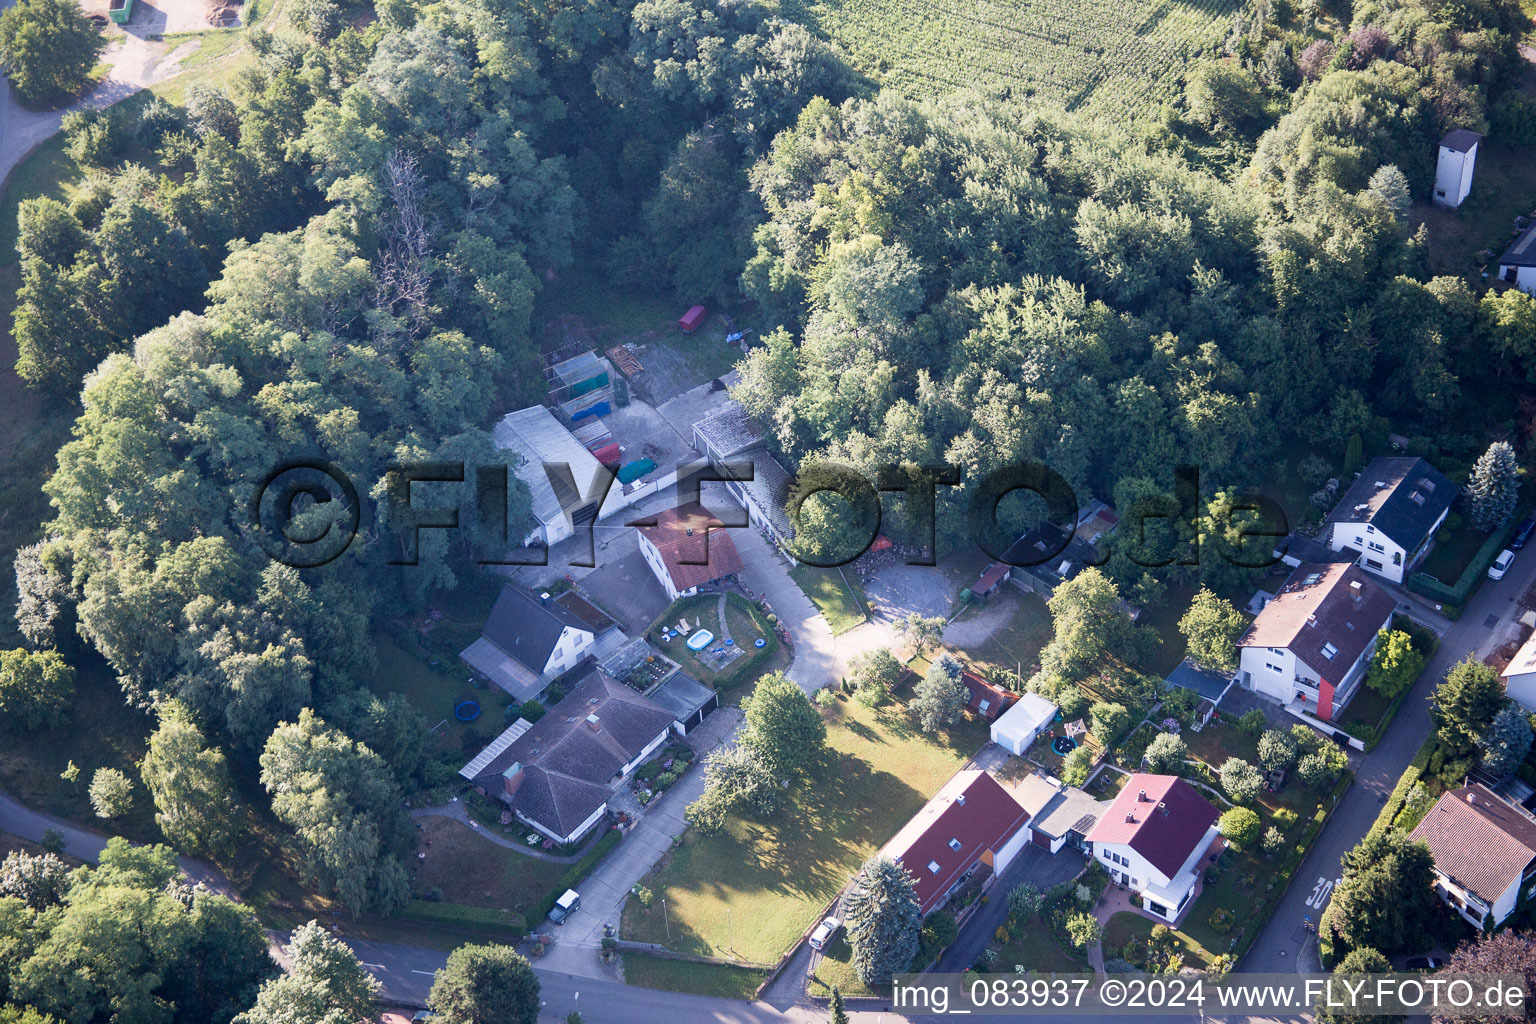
1284, 945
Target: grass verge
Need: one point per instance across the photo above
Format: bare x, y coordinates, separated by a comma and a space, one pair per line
719, 980
837, 599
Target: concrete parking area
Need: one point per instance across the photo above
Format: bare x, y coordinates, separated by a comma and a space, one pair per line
899, 590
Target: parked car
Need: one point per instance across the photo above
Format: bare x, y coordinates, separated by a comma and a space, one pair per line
1523, 533
568, 903
1501, 564
1424, 963
824, 932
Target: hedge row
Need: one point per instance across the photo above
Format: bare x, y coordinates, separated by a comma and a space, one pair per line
1471, 576
1405, 784
458, 915
577, 871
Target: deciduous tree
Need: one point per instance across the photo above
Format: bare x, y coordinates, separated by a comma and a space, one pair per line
940, 696
782, 727
485, 985
1211, 628
49, 48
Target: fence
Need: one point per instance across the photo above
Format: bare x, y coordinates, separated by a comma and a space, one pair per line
1472, 575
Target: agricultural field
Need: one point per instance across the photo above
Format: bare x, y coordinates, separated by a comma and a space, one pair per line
1108, 57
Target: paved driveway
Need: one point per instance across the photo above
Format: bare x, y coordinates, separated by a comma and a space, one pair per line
1034, 865
898, 590
764, 571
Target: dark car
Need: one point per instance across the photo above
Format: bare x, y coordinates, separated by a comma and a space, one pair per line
1424, 963
1522, 533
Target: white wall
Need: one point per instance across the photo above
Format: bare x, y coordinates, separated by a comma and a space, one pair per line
658, 565
650, 748
1453, 176
1521, 689
1389, 555
580, 831
1280, 685
567, 650
1003, 857
1525, 278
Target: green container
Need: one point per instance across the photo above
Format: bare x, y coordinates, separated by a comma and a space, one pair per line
120, 11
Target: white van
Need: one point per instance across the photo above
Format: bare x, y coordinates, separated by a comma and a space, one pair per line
1501, 564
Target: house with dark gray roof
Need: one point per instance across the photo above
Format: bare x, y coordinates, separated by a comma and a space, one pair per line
736, 446
1485, 854
529, 640
1518, 264
557, 774
1386, 521
1311, 645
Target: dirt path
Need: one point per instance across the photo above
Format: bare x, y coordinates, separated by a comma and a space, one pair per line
134, 63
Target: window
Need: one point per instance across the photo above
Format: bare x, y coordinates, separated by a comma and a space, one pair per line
1272, 668
954, 844
1370, 529
1374, 546
933, 866
1374, 563
983, 706
1440, 192
1329, 651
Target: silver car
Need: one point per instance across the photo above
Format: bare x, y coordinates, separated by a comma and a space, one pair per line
824, 932
1501, 564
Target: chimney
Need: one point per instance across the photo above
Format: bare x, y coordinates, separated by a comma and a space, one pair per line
594, 723
512, 778
1311, 620
1354, 585
1471, 797
1162, 806
544, 597
1141, 797
689, 529
1130, 819
960, 799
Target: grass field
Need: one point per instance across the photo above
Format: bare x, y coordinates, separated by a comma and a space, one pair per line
475, 872
751, 890
1037, 949
1116, 57
1125, 927
720, 980
832, 594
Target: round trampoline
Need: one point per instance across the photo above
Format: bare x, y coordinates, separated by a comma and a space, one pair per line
466, 710
1063, 745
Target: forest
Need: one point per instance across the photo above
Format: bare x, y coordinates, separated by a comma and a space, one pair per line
336, 254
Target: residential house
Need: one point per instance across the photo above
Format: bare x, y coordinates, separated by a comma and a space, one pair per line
1387, 519
1153, 839
566, 482
557, 774
1048, 555
1059, 815
1485, 854
1314, 641
528, 641
1520, 675
730, 436
1018, 727
686, 548
1518, 264
972, 821
987, 700
1454, 166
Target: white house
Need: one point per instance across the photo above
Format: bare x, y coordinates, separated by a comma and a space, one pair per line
1388, 518
558, 774
1518, 264
1485, 854
1314, 641
1520, 675
1153, 839
527, 641
687, 547
566, 481
973, 820
1453, 172
1017, 728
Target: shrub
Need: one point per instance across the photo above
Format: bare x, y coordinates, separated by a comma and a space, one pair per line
1221, 921
93, 138
1023, 901
1240, 826
1252, 723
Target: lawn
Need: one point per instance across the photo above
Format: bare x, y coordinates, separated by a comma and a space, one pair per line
751, 890
434, 691
475, 872
835, 970
1164, 617
839, 602
747, 623
1035, 948
1505, 182
1016, 642
1126, 927
720, 980
1446, 561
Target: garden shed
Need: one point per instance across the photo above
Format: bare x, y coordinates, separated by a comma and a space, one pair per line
1022, 724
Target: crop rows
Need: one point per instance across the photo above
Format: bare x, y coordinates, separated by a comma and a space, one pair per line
1115, 57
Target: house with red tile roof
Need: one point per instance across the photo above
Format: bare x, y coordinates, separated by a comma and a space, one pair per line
973, 821
987, 700
686, 548
1153, 839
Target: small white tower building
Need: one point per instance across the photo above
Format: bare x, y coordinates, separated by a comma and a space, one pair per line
1453, 173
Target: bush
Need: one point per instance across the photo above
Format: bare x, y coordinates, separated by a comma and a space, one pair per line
1077, 766
939, 930
531, 710
1240, 826
1252, 723
1221, 920
93, 138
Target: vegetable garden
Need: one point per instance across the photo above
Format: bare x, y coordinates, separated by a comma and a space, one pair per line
1103, 55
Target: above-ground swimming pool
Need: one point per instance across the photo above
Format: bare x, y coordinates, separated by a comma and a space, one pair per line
1063, 745
701, 639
